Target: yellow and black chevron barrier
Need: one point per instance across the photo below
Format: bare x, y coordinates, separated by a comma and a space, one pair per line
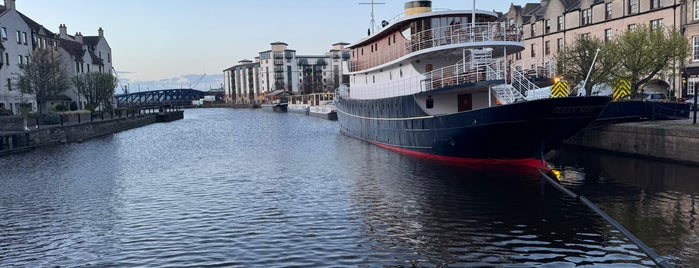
621, 88
559, 89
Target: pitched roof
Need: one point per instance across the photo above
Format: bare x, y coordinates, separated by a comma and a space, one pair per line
73, 48
95, 58
35, 26
91, 40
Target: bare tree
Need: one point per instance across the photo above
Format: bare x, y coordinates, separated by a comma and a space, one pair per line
43, 75
575, 61
97, 88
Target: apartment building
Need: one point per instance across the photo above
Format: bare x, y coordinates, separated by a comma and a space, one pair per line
280, 68
550, 25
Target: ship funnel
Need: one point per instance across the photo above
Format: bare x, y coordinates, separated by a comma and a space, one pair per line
417, 7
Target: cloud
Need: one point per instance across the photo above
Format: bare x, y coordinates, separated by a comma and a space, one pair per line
196, 81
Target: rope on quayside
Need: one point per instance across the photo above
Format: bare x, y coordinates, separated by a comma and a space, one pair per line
660, 262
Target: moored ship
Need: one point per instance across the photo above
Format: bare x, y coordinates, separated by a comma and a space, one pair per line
437, 84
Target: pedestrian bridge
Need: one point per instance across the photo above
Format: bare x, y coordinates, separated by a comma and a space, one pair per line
164, 97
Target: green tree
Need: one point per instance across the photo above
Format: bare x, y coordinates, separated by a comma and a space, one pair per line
43, 76
575, 60
643, 53
97, 88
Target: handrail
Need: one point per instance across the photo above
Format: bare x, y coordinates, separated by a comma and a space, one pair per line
432, 38
463, 72
521, 83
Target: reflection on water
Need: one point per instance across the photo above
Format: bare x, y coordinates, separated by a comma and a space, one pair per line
657, 201
255, 189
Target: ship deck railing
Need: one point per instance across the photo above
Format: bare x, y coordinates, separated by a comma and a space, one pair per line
464, 73
434, 38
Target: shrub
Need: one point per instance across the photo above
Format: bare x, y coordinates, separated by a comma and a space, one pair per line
90, 107
73, 106
50, 118
60, 108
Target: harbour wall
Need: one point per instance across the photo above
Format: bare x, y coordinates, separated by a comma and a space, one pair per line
671, 140
17, 141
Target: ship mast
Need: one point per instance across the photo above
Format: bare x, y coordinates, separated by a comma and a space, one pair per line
372, 3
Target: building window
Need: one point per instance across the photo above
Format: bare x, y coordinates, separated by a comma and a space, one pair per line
548, 26
561, 23
19, 37
631, 26
586, 16
20, 59
585, 35
608, 14
633, 6
656, 4
3, 33
7, 58
608, 35
560, 44
533, 25
656, 24
9, 84
24, 38
695, 48
533, 49
547, 48
692, 85
26, 59
696, 12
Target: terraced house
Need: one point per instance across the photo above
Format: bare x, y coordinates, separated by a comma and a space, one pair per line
550, 25
20, 35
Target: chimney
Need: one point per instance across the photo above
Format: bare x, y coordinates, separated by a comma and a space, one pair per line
10, 4
63, 30
79, 37
101, 32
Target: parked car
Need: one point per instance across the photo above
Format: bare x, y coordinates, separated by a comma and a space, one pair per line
653, 96
691, 103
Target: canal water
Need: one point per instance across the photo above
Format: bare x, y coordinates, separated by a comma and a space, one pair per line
248, 188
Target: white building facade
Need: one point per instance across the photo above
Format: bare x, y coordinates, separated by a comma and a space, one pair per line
281, 69
15, 49
20, 35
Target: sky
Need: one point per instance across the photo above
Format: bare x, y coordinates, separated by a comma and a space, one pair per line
161, 44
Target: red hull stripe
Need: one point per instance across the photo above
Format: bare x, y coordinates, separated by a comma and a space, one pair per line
525, 163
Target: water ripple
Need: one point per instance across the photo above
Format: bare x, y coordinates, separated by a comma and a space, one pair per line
246, 188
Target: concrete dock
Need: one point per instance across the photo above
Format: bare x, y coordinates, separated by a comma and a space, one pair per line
672, 140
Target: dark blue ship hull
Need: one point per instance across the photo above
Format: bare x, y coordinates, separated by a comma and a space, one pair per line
521, 131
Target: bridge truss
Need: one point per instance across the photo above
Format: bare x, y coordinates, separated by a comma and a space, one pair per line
165, 97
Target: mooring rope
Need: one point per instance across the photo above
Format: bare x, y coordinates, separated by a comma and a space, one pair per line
659, 261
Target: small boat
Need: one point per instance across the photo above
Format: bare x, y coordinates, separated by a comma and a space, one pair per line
322, 105
276, 101
298, 104
325, 111
437, 84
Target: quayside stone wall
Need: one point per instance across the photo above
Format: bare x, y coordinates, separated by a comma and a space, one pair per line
18, 141
668, 143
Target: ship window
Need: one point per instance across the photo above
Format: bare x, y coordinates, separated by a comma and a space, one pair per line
401, 72
390, 75
429, 103
373, 79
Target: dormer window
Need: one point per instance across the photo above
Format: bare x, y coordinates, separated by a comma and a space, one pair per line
3, 33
